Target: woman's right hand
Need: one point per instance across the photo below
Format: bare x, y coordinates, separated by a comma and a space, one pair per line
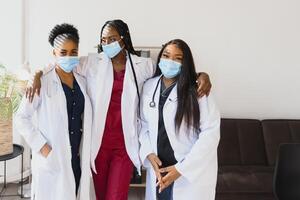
45, 150
35, 87
156, 163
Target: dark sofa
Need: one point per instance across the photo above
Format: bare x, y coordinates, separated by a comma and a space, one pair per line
247, 154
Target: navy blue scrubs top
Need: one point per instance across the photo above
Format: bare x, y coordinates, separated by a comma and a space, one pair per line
75, 108
165, 151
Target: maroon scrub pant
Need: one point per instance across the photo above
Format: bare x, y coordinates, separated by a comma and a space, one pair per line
114, 169
113, 165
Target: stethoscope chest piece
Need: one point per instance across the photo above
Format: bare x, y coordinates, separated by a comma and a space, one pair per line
152, 104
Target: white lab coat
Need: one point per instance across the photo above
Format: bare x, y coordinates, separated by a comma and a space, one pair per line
98, 70
196, 154
53, 177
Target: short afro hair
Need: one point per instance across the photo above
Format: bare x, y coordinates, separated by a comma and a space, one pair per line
68, 30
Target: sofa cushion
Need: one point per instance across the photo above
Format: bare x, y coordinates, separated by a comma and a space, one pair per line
241, 143
244, 196
245, 179
279, 131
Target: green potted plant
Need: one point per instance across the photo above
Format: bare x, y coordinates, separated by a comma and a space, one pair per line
10, 97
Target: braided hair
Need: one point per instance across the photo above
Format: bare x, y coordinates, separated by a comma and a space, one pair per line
123, 30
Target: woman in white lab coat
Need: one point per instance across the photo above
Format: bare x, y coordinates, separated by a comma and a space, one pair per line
117, 72
180, 132
115, 78
61, 137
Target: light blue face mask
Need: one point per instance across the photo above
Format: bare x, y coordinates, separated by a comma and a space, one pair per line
112, 49
67, 63
169, 68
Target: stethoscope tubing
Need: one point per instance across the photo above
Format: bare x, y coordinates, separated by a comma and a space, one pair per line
152, 104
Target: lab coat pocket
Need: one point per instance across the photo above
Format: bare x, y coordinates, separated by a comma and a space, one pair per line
49, 155
50, 162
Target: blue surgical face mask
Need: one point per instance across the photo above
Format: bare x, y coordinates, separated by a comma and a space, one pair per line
112, 49
67, 63
169, 68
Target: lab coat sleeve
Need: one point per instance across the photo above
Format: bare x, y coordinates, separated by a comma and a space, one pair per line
24, 123
205, 147
48, 68
144, 138
150, 69
83, 66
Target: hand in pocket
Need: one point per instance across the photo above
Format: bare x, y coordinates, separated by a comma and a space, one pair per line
45, 150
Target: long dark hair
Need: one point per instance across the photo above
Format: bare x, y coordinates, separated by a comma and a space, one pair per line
188, 107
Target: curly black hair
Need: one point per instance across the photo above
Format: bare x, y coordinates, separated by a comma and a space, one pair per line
68, 30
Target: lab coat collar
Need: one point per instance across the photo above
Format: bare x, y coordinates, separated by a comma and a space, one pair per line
173, 94
135, 59
57, 79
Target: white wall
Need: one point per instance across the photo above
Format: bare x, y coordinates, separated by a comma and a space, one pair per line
11, 33
250, 48
12, 55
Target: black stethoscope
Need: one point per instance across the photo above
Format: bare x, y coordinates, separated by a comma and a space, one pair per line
152, 104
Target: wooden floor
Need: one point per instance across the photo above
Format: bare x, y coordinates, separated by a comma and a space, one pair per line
12, 188
134, 193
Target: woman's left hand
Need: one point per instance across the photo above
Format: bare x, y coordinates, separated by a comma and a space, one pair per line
204, 84
169, 178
